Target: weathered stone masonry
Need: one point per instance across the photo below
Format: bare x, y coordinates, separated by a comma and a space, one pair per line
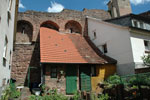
26, 51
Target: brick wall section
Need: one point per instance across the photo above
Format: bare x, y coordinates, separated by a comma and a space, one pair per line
58, 83
37, 18
26, 55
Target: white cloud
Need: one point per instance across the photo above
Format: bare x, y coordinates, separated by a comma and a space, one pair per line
137, 2
21, 5
105, 2
55, 7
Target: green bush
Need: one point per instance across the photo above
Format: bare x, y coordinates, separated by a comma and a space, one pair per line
112, 81
101, 97
76, 96
10, 92
104, 97
51, 95
5, 94
93, 97
14, 93
115, 80
133, 81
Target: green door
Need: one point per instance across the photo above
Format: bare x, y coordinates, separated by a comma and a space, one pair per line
71, 79
85, 79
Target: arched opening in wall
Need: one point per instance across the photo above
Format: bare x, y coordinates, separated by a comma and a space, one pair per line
24, 32
51, 25
73, 27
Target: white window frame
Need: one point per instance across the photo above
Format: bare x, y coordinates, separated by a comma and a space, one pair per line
10, 5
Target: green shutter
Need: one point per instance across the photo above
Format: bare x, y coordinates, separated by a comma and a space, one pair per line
85, 82
85, 78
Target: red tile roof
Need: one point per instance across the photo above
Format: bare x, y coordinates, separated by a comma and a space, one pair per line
57, 47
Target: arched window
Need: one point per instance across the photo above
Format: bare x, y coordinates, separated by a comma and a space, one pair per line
50, 24
24, 31
73, 27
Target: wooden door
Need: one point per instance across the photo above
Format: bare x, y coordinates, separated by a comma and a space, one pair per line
71, 79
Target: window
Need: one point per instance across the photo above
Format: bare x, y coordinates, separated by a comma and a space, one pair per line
54, 72
5, 47
4, 62
5, 52
9, 9
94, 34
104, 47
142, 25
147, 26
93, 70
10, 60
135, 23
147, 45
8, 81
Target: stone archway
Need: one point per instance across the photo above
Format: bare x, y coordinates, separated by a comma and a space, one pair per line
24, 31
73, 27
50, 24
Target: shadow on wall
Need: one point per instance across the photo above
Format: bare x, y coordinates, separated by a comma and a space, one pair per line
33, 76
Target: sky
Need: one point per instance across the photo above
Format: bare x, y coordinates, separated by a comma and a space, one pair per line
138, 6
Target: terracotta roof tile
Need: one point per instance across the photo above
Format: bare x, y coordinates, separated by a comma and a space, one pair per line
66, 48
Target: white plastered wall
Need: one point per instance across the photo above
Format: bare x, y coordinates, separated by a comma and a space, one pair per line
118, 43
6, 30
137, 41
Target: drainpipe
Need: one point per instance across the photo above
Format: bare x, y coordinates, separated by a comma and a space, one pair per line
42, 76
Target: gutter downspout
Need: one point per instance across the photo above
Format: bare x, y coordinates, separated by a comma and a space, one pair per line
42, 75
